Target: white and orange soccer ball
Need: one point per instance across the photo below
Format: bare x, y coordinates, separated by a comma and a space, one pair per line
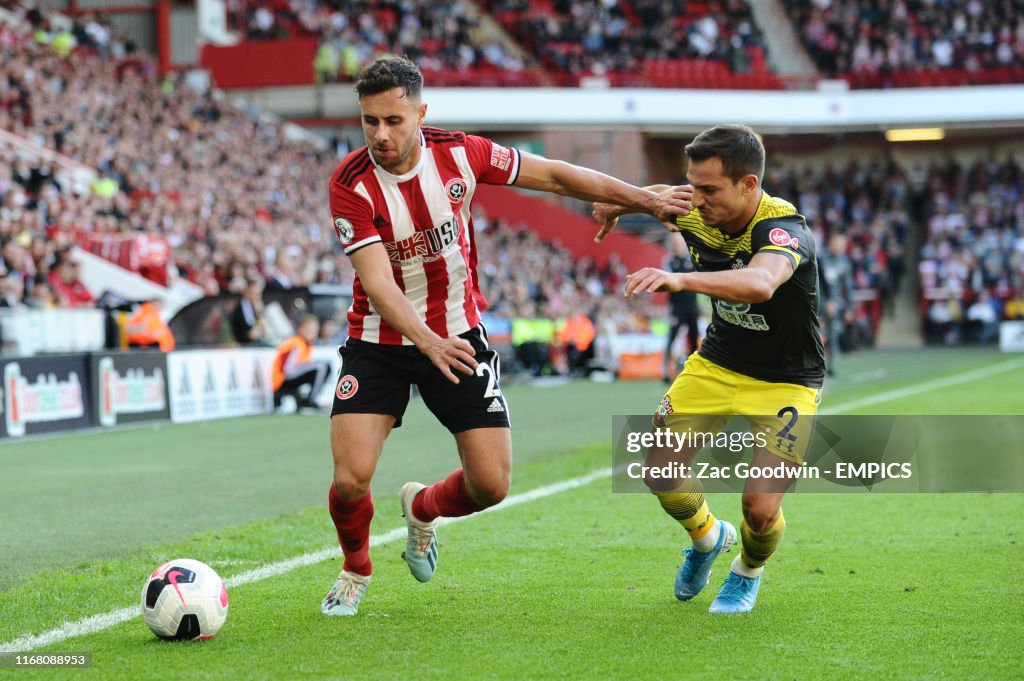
184, 599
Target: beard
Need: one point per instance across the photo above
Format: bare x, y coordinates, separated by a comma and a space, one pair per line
393, 158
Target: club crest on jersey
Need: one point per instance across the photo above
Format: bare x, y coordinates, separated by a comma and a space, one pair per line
455, 188
781, 237
347, 387
664, 409
345, 230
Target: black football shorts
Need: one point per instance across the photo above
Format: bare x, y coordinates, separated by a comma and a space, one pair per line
377, 379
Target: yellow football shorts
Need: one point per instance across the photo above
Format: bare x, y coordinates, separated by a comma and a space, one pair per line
705, 396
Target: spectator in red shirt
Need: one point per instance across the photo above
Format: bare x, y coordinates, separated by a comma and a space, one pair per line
71, 292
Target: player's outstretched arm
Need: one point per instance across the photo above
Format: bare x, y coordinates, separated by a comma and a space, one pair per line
559, 177
374, 270
607, 214
755, 283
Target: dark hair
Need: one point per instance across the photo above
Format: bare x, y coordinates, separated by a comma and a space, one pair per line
388, 73
738, 147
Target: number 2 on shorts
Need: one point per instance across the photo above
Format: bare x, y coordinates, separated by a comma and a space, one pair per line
486, 368
785, 433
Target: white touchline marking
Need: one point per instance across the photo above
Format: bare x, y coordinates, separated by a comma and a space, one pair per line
944, 382
97, 623
70, 630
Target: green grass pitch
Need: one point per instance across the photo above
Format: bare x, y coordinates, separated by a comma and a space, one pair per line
572, 585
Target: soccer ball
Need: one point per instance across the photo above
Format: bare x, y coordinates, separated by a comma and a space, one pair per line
184, 600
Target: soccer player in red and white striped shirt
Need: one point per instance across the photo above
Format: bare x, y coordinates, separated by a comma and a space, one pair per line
401, 209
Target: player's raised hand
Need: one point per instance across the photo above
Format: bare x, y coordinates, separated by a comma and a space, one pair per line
606, 215
652, 280
672, 202
449, 353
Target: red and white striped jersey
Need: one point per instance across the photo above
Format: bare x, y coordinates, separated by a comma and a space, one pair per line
423, 218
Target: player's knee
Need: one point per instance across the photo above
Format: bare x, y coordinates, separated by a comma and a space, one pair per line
350, 486
659, 485
490, 492
759, 514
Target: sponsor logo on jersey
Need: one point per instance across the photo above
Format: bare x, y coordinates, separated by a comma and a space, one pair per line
781, 237
455, 188
501, 157
425, 246
348, 386
739, 314
345, 230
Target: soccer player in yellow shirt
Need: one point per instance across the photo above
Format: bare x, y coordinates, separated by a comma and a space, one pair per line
762, 356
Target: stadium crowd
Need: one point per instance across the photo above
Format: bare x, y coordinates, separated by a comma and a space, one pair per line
219, 181
234, 199
175, 162
870, 43
575, 36
438, 36
859, 215
521, 275
238, 202
568, 37
972, 264
885, 38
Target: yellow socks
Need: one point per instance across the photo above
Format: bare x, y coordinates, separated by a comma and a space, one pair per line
687, 506
758, 547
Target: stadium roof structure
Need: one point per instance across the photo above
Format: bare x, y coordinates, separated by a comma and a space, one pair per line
827, 109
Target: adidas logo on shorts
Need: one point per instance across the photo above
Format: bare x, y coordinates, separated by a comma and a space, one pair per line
496, 406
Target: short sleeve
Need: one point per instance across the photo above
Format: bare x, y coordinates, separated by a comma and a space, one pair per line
491, 162
353, 219
785, 237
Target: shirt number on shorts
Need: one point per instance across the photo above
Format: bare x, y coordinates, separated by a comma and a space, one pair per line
492, 384
785, 433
